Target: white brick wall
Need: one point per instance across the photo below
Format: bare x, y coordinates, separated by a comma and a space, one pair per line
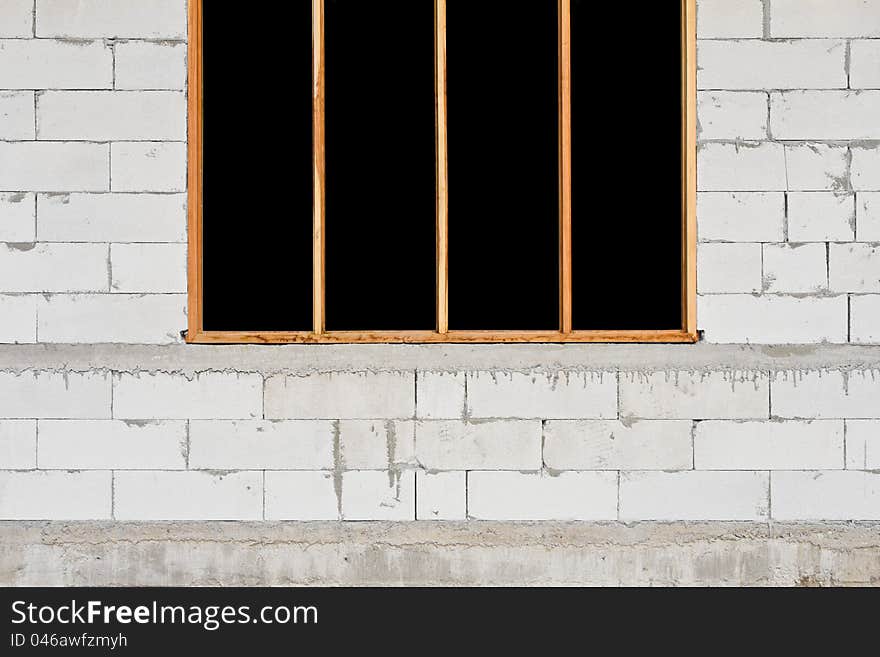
787, 132
92, 250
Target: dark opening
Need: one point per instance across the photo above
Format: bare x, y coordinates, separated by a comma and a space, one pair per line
257, 230
503, 165
626, 166
381, 180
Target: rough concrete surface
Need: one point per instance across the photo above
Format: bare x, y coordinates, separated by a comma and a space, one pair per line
309, 359
358, 554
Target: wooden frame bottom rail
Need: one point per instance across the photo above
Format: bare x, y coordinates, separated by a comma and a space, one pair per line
431, 337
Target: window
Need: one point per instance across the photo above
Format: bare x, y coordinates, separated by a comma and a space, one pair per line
442, 171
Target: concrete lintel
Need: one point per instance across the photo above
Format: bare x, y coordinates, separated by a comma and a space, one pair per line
305, 359
254, 554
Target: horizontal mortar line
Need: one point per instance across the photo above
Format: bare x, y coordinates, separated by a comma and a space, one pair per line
95, 293
95, 142
839, 143
122, 90
154, 243
780, 90
98, 39
787, 39
115, 90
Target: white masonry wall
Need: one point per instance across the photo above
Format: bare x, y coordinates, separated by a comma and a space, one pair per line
92, 252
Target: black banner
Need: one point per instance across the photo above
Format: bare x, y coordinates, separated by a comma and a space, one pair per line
172, 621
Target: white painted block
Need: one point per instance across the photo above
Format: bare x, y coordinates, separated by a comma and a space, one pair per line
111, 445
742, 318
19, 319
723, 19
864, 66
821, 217
726, 267
32, 394
557, 395
692, 495
376, 444
868, 216
302, 495
54, 167
685, 395
159, 268
817, 167
54, 267
741, 216
441, 495
862, 445
17, 18
111, 116
112, 218
440, 395
111, 318
865, 167
18, 444
479, 445
757, 64
795, 268
40, 495
374, 495
150, 65
260, 445
829, 495
789, 445
864, 319
826, 395
616, 445
854, 267
364, 395
18, 217
820, 18
149, 166
732, 115
49, 64
166, 495
741, 167
155, 19
826, 115
17, 115
541, 496
207, 396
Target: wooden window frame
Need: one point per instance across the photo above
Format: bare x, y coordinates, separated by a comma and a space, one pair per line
687, 334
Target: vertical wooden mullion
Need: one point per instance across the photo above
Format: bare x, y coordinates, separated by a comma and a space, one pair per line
565, 165
442, 173
319, 163
195, 324
689, 166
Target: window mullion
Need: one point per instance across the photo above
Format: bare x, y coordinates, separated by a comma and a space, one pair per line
442, 174
318, 155
565, 164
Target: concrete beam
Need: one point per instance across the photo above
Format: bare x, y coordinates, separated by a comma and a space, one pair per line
253, 554
308, 359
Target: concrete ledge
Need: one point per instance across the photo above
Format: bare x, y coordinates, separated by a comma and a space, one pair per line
255, 554
308, 359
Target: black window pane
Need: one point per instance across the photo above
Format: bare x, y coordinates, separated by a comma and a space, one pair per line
380, 163
503, 165
257, 231
626, 166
